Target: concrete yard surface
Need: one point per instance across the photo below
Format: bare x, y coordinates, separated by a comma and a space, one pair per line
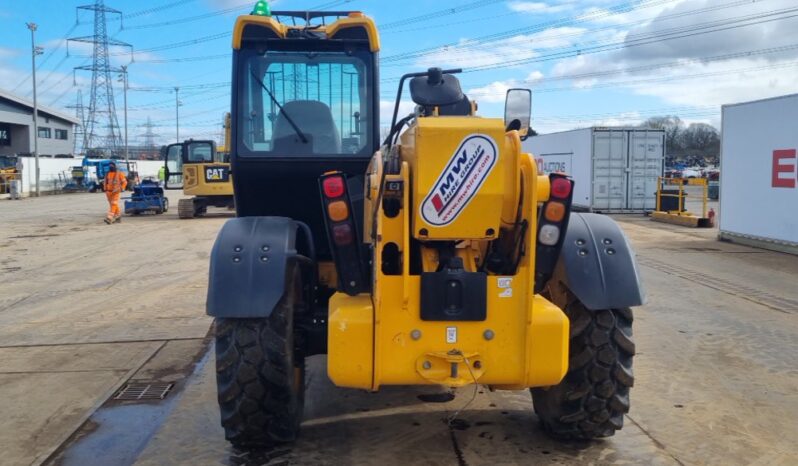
84, 305
86, 308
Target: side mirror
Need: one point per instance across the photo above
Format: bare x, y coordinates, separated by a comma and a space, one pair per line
518, 110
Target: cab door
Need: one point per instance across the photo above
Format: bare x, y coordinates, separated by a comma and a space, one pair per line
173, 166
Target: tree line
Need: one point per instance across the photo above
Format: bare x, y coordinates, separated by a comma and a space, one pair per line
697, 140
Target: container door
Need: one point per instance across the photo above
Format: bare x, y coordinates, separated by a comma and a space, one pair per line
609, 170
645, 164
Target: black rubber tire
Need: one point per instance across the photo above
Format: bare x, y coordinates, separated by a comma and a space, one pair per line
165, 205
592, 399
260, 376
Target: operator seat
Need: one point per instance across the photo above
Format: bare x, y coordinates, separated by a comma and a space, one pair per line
315, 120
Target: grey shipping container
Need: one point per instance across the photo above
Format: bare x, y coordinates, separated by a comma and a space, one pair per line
614, 169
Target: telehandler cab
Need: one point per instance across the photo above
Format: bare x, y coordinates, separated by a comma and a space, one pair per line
438, 256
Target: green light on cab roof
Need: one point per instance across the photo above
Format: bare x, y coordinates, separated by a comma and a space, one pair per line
261, 9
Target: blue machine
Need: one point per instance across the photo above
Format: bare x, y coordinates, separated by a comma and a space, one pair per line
147, 197
102, 167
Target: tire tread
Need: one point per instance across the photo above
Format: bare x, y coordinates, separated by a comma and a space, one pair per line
255, 373
592, 399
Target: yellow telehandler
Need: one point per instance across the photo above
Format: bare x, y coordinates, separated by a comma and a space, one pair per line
437, 256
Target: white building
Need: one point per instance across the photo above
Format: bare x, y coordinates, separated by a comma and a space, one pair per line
56, 130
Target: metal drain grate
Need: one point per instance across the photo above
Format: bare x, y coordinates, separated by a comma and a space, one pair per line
144, 391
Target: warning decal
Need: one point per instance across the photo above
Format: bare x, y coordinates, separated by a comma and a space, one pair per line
468, 168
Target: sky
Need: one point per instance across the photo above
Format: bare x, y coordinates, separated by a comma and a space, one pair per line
588, 62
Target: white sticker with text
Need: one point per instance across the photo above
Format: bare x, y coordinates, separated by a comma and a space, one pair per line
451, 334
468, 168
505, 284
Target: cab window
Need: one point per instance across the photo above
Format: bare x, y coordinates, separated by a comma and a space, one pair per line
199, 152
304, 104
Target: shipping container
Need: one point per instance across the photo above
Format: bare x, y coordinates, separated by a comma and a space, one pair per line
758, 188
614, 169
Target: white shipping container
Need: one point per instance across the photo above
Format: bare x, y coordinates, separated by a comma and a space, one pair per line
758, 172
614, 169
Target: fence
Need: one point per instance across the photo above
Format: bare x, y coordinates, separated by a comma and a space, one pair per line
52, 172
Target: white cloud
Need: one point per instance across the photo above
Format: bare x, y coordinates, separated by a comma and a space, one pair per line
386, 110
50, 86
544, 124
696, 82
495, 92
762, 81
519, 47
8, 53
536, 7
224, 4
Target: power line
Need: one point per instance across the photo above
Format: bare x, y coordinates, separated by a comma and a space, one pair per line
182, 87
156, 9
467, 50
332, 4
681, 111
438, 14
184, 59
652, 80
47, 57
658, 66
565, 77
175, 45
191, 18
61, 96
590, 16
448, 23
46, 78
656, 37
618, 9
170, 103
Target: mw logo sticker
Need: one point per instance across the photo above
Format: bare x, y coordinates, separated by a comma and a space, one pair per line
468, 168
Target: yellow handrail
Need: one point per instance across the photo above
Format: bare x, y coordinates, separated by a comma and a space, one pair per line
681, 182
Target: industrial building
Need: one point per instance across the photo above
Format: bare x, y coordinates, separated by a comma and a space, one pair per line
56, 130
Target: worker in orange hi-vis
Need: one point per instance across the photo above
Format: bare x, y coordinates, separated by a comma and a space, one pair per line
115, 182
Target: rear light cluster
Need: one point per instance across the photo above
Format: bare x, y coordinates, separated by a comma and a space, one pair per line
555, 210
552, 225
341, 232
333, 187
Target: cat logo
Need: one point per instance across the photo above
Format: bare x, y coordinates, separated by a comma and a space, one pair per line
216, 174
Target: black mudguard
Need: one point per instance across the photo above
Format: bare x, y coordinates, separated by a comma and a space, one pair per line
599, 263
248, 266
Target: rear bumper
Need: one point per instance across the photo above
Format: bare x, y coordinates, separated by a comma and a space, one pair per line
522, 343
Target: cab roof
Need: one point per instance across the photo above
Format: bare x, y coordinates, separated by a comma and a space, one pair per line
347, 25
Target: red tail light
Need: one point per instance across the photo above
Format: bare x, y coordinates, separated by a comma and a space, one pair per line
342, 234
333, 186
560, 187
